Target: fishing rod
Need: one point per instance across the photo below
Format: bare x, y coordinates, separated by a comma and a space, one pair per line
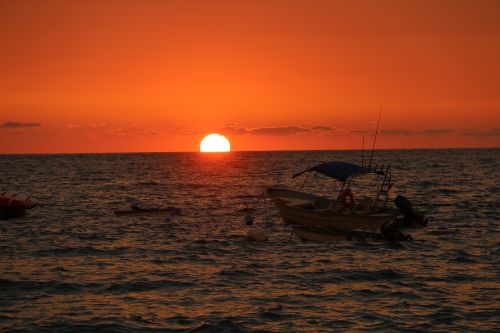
375, 139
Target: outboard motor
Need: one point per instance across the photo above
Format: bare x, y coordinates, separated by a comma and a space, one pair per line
411, 217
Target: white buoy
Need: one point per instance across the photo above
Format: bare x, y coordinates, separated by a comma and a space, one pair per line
256, 235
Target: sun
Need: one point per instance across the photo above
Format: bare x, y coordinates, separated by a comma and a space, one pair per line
214, 143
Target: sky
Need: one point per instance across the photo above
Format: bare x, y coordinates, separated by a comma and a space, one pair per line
129, 76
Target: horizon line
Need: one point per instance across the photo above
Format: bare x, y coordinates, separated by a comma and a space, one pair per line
241, 151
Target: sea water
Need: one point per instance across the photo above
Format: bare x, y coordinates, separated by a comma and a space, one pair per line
72, 265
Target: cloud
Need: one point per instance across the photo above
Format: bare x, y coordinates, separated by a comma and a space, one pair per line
395, 132
491, 132
438, 131
285, 130
14, 124
363, 132
232, 129
322, 128
405, 132
132, 131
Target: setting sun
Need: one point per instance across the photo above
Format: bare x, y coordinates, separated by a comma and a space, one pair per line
213, 143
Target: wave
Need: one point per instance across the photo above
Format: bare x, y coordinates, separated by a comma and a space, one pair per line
222, 326
47, 287
366, 275
141, 285
199, 273
80, 251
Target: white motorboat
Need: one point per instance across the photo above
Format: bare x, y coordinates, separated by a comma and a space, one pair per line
319, 217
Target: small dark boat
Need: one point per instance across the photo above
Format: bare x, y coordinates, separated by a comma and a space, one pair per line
136, 210
14, 205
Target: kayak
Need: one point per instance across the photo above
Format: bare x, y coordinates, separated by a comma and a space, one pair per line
136, 210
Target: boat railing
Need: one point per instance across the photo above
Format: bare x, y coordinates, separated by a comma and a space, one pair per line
382, 195
383, 192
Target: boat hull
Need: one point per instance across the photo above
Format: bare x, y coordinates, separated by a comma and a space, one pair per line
12, 212
301, 209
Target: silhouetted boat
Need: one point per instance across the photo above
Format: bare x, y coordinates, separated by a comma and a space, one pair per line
136, 210
15, 205
318, 217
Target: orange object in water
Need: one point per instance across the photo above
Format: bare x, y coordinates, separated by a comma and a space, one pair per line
15, 205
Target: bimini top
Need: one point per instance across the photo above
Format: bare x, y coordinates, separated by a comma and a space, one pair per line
339, 170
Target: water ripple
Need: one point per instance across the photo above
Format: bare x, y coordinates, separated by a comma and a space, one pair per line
72, 266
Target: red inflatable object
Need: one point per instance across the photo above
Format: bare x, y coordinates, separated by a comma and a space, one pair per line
15, 205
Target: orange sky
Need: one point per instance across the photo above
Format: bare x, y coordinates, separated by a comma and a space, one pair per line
109, 76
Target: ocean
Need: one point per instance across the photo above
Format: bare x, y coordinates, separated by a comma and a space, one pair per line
71, 265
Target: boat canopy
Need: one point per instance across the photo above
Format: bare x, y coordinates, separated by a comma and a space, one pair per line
339, 170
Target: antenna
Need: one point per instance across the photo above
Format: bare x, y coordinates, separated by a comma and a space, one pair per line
375, 138
363, 153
